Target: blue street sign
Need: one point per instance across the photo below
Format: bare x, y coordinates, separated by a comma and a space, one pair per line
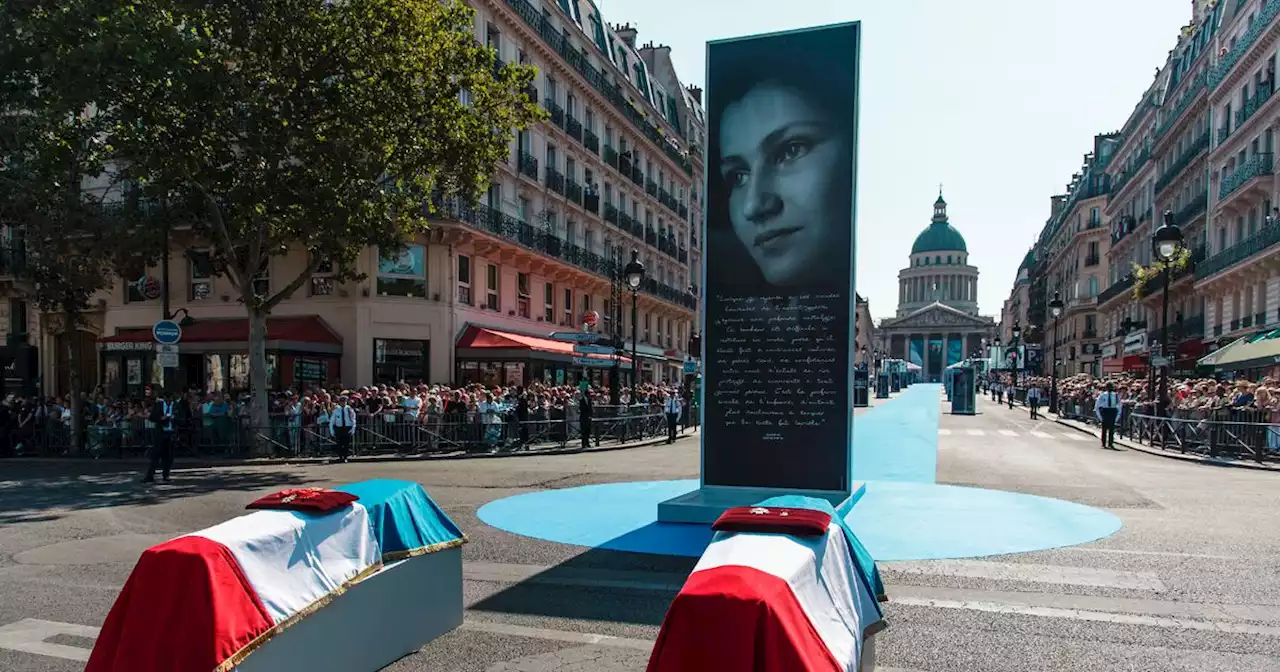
587, 349
596, 363
576, 336
167, 332
690, 366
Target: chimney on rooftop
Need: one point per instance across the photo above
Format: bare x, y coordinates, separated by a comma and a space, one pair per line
696, 92
627, 33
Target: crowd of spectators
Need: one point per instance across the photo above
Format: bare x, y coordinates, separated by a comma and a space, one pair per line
421, 415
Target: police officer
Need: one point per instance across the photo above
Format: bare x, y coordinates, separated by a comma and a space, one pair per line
673, 416
1107, 409
1033, 400
342, 424
161, 418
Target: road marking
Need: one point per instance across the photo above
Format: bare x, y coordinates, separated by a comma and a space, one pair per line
944, 432
499, 572
1074, 437
1163, 554
976, 432
30, 634
1008, 432
1095, 616
558, 635
1052, 574
1041, 435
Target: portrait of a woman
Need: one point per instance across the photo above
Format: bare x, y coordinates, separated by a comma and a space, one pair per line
781, 141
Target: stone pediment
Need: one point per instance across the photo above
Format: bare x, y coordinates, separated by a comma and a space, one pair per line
937, 315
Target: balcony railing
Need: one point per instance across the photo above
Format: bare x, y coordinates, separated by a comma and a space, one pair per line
611, 213
1184, 101
610, 156
590, 140
1261, 22
573, 191
598, 81
637, 176
555, 180
1156, 284
651, 188
1117, 288
624, 164
1191, 210
545, 243
528, 165
1263, 240
1257, 165
573, 127
1253, 103
683, 211
1118, 184
557, 112
1184, 159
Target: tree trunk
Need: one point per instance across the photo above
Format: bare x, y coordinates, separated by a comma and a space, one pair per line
258, 417
73, 379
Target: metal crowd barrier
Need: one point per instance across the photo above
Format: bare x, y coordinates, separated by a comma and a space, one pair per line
388, 433
1242, 433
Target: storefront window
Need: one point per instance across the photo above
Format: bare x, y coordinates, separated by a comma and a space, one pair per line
397, 361
240, 372
133, 372
404, 273
215, 379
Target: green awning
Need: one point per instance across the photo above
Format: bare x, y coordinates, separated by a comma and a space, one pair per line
1253, 351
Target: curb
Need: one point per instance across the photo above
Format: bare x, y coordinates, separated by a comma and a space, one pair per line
1183, 457
197, 463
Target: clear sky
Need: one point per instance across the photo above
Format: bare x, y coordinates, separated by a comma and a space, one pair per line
998, 100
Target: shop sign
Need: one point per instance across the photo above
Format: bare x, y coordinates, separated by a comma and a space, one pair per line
127, 346
1135, 342
310, 370
1109, 351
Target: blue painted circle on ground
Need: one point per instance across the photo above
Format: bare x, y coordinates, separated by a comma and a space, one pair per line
896, 521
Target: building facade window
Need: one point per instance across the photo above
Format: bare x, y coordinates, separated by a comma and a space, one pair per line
200, 278
548, 303
395, 361
491, 288
522, 295
464, 280
322, 281
403, 273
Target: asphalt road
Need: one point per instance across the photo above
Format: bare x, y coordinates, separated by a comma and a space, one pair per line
1191, 582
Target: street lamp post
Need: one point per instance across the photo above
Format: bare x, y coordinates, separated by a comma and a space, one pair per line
1166, 243
634, 273
1055, 309
996, 358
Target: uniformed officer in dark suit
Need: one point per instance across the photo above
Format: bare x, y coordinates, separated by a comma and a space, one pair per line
585, 410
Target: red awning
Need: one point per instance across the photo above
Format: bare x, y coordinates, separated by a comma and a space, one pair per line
1135, 362
1192, 349
484, 337
1113, 365
297, 329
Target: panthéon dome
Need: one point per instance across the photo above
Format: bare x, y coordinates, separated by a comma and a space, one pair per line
940, 236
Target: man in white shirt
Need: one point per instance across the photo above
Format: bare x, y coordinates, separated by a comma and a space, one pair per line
673, 415
342, 424
1107, 408
1033, 400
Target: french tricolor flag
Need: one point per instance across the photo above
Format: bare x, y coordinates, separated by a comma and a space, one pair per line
205, 601
785, 593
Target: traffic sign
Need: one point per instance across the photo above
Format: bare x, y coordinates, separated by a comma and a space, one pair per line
586, 349
167, 332
168, 360
593, 362
161, 348
690, 366
576, 336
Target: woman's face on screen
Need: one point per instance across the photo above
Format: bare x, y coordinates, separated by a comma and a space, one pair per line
786, 166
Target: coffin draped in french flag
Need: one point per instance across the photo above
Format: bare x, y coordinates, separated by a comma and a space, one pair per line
791, 591
207, 601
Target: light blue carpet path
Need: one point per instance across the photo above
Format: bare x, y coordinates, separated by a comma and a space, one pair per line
904, 514
898, 439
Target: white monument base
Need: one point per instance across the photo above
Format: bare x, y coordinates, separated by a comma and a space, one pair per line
704, 505
387, 616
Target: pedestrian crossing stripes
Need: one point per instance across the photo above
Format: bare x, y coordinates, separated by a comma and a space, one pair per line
1066, 436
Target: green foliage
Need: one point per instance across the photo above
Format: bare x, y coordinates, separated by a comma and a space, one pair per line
57, 194
1143, 275
320, 125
